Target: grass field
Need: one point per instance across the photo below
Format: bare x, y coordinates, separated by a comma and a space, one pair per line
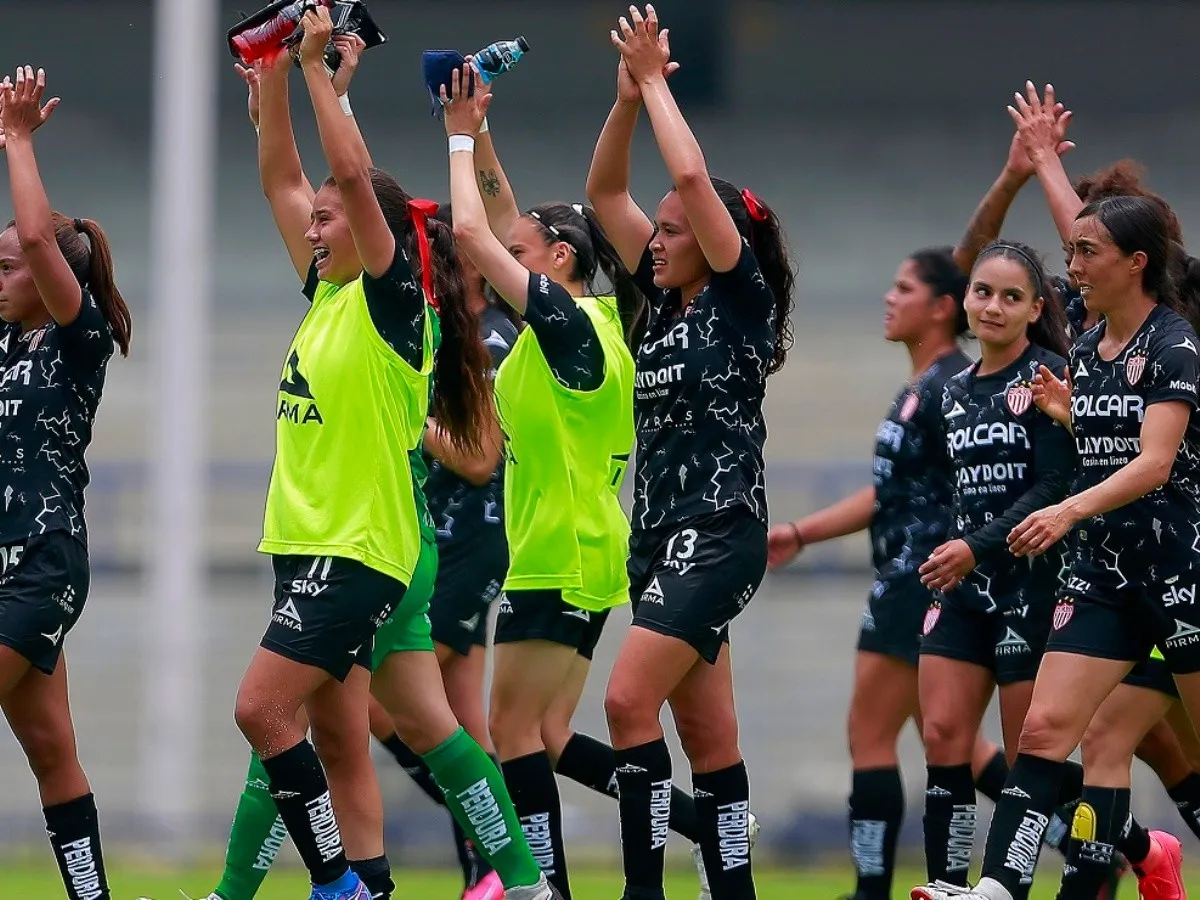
29, 883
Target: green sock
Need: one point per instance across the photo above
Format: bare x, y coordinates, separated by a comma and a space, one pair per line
479, 802
255, 839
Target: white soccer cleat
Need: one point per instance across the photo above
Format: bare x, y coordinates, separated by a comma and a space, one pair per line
753, 828
543, 890
987, 889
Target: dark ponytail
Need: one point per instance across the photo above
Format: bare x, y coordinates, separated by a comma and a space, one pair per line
578, 226
1186, 277
85, 247
462, 393
764, 233
462, 400
1051, 330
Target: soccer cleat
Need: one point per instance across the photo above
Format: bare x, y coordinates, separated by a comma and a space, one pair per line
987, 889
698, 857
358, 892
1160, 874
543, 890
489, 887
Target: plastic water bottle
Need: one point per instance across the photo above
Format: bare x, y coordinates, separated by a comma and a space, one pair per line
269, 29
496, 59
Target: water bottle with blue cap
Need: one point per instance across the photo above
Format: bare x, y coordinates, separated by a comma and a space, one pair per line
492, 61
496, 59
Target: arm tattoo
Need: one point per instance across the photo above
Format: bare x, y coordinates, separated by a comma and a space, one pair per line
489, 182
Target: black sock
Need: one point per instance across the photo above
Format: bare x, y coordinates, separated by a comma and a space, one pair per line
992, 779
301, 793
644, 774
876, 812
1019, 821
415, 768
74, 830
530, 781
376, 874
1134, 843
592, 763
1058, 832
1100, 819
950, 813
723, 811
1186, 795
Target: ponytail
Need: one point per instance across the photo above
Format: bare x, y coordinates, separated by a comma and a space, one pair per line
1186, 279
462, 401
760, 227
577, 225
631, 304
85, 247
462, 392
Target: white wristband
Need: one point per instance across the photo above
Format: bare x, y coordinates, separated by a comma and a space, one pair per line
484, 128
344, 100
462, 143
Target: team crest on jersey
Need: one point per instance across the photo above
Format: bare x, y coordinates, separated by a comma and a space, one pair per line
931, 617
1135, 367
909, 406
1062, 614
1019, 397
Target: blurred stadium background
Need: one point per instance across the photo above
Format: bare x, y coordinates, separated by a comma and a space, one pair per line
872, 126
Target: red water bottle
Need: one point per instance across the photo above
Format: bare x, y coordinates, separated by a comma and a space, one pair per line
269, 29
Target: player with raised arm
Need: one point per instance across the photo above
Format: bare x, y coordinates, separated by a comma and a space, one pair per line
61, 318
716, 268
1132, 514
356, 383
564, 397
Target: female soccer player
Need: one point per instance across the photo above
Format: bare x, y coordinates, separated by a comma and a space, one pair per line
564, 397
579, 757
257, 833
1168, 742
1133, 511
885, 682
356, 385
908, 512
990, 616
464, 492
716, 269
61, 317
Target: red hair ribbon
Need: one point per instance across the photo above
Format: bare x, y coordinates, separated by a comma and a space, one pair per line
421, 211
757, 209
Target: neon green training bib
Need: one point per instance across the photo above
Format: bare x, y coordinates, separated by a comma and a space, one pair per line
350, 410
565, 457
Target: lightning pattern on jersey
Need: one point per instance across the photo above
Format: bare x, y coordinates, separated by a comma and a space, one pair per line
701, 377
51, 381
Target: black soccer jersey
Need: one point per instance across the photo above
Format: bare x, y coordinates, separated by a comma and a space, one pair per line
51, 379
912, 473
1010, 459
463, 512
701, 377
1157, 535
